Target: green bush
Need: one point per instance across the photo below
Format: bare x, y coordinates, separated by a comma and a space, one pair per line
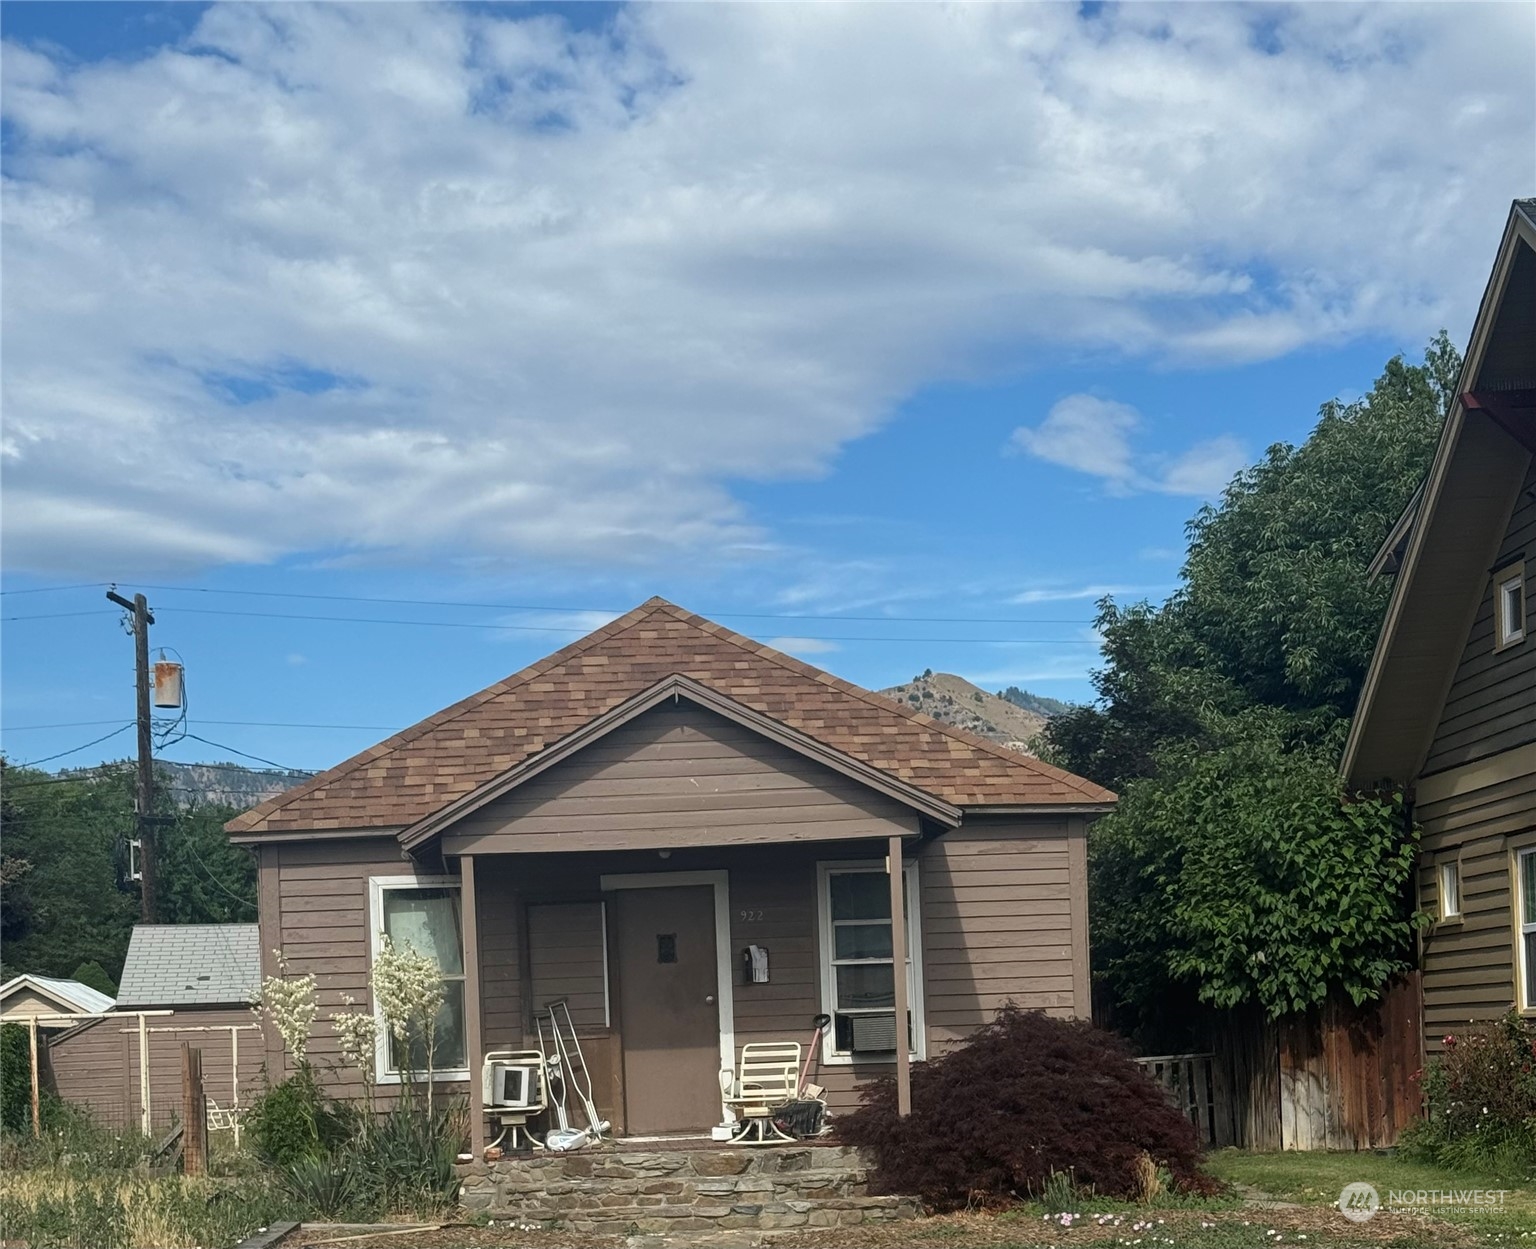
1480, 1101
15, 1077
291, 1122
327, 1187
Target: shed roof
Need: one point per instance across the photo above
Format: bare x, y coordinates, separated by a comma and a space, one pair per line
427, 767
72, 996
191, 965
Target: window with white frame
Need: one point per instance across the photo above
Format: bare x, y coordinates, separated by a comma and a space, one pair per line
1450, 890
1525, 872
422, 913
857, 965
1509, 606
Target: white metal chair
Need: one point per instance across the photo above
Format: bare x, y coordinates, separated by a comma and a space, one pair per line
767, 1077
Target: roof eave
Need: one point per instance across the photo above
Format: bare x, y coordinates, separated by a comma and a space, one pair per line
1519, 229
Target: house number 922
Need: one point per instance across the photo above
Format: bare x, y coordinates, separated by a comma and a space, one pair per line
750, 917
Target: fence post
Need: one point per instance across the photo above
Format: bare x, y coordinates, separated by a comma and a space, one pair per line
194, 1113
146, 1125
37, 1110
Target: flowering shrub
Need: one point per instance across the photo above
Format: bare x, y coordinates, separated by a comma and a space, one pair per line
1026, 1099
290, 1003
1480, 1100
357, 1034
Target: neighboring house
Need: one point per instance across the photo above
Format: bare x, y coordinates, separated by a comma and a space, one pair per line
1449, 703
201, 981
622, 823
27, 997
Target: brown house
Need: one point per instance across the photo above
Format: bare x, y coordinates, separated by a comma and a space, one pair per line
1449, 703
627, 822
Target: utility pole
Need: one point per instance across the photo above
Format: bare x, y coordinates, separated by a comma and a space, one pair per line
144, 798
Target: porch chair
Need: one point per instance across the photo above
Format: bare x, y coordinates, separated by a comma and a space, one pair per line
221, 1118
767, 1078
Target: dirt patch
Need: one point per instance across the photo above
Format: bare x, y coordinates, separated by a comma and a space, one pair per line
1300, 1227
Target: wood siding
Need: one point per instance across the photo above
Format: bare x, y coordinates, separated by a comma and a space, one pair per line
998, 924
568, 959
1002, 910
98, 1065
1491, 704
314, 907
676, 775
1469, 964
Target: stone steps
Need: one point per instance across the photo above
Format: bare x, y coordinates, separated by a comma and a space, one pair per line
702, 1216
814, 1184
614, 1191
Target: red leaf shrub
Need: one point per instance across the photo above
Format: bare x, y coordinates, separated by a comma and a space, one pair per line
1025, 1096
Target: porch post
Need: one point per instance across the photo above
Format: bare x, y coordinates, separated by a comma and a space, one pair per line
472, 1054
899, 976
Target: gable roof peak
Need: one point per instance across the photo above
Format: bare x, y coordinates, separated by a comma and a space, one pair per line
436, 763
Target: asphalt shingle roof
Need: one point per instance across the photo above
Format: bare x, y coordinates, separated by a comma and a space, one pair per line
191, 965
448, 755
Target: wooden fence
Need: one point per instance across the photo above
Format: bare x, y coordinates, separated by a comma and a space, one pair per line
1337, 1077
1194, 1084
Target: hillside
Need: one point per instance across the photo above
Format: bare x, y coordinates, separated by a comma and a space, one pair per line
228, 784
956, 701
204, 784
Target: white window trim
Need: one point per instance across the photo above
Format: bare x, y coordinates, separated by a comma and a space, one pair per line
1443, 869
1523, 924
378, 886
824, 870
1503, 636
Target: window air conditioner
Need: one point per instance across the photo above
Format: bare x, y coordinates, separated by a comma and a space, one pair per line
869, 1034
511, 1084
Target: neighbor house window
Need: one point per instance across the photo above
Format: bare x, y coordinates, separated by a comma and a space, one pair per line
858, 975
1525, 873
1509, 606
1450, 890
421, 913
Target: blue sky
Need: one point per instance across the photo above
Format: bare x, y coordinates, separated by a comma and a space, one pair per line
896, 334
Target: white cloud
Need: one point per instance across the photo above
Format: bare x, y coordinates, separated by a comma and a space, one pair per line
803, 646
381, 281
1068, 594
297, 660
1094, 436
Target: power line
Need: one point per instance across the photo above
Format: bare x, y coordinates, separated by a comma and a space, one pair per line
465, 624
32, 763
58, 589
243, 754
728, 615
248, 724
60, 615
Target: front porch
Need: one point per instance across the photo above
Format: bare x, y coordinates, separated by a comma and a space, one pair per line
656, 968
616, 1189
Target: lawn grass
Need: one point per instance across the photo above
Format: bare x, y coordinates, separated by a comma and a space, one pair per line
1316, 1179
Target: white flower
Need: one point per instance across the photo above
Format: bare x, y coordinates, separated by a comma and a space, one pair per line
290, 1003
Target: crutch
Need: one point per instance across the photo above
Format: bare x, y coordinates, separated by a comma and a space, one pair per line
562, 1137
581, 1078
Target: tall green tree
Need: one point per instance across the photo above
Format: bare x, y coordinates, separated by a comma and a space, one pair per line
1236, 869
64, 902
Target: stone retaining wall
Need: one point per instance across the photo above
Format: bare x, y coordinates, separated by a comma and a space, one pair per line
623, 1191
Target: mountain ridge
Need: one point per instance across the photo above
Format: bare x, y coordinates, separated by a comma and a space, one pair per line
1009, 721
